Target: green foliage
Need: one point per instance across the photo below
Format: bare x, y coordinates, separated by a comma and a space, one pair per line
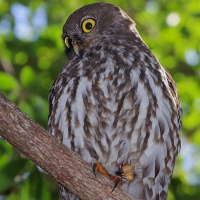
10, 83
29, 64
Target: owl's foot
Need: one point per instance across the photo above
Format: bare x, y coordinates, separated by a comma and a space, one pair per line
98, 167
124, 172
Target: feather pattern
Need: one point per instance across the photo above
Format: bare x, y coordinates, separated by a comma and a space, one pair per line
117, 104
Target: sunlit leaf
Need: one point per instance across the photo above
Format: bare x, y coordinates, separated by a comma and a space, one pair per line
8, 82
28, 77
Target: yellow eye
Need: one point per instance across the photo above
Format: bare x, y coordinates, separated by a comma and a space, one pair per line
67, 42
88, 25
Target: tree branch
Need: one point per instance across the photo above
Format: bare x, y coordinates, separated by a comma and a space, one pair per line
44, 150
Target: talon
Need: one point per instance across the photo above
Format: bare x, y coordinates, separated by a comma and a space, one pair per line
118, 181
94, 168
98, 167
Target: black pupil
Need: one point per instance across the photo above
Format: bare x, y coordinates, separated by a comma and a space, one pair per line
88, 26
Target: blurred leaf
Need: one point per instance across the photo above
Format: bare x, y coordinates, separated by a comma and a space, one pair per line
9, 173
21, 58
8, 82
4, 7
28, 77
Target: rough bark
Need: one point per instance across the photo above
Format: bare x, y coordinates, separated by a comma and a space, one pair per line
44, 150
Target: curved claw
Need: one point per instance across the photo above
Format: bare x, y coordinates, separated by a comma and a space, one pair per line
94, 168
98, 167
118, 181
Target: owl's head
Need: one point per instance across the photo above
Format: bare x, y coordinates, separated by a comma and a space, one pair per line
93, 24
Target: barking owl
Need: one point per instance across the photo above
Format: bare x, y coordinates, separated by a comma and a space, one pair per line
114, 104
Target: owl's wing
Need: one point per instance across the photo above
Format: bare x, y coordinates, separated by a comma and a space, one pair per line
53, 127
51, 96
173, 90
171, 83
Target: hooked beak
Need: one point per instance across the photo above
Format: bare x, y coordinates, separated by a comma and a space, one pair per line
77, 49
76, 44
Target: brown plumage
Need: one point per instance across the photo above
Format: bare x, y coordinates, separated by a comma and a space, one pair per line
114, 103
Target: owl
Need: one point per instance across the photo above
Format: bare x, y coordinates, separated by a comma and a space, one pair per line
114, 104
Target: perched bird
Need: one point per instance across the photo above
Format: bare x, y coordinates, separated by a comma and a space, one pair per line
114, 104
